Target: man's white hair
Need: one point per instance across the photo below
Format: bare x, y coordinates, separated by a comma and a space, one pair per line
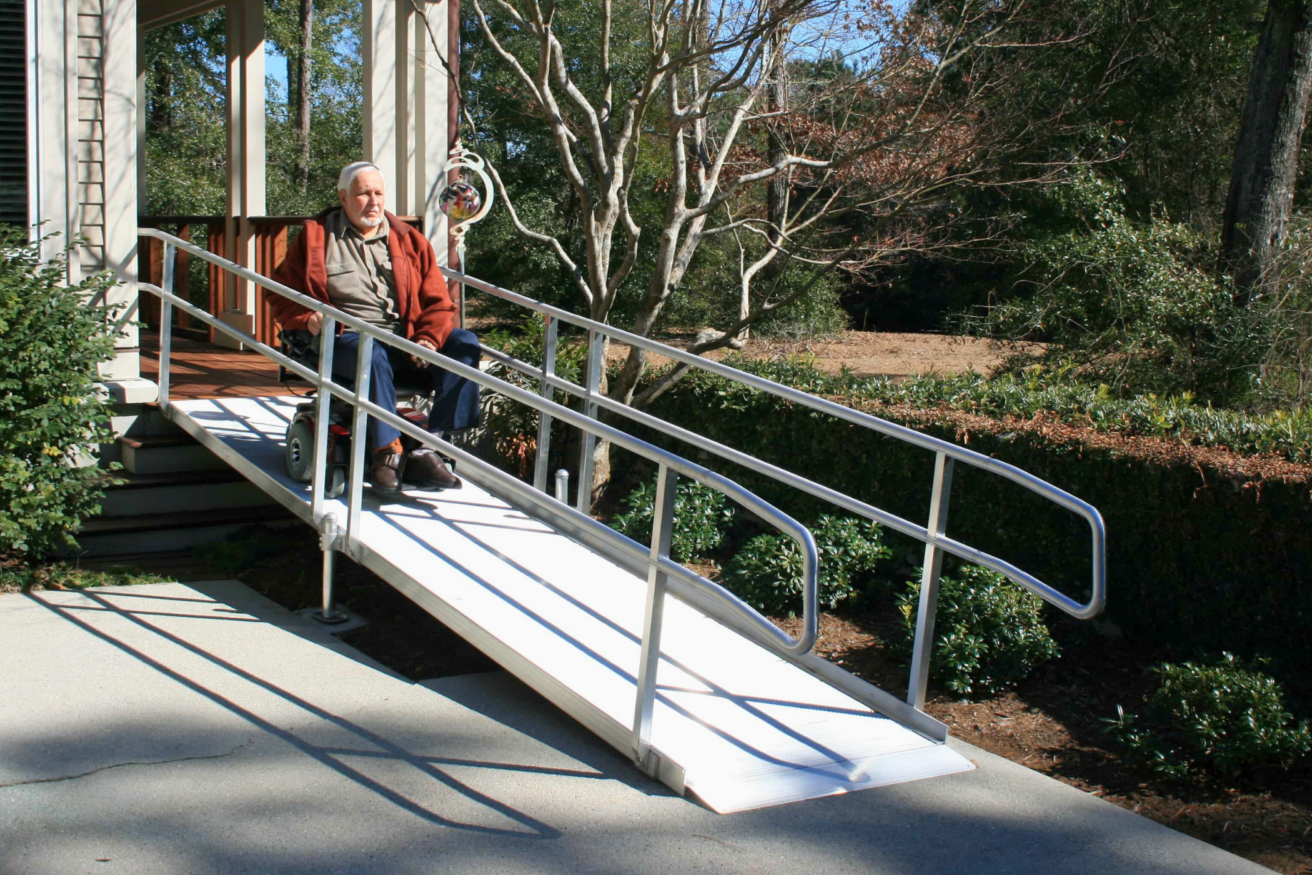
351, 171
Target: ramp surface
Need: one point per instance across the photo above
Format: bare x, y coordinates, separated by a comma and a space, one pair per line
202, 730
745, 728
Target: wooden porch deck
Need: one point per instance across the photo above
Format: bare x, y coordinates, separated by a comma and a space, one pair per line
202, 370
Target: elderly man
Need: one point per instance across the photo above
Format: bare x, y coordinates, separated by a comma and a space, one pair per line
364, 261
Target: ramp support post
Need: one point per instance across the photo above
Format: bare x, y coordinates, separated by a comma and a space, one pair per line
662, 525
359, 442
550, 343
929, 580
591, 383
166, 327
328, 537
322, 414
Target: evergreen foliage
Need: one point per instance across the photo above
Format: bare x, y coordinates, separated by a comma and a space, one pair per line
702, 518
1223, 716
767, 571
989, 634
52, 337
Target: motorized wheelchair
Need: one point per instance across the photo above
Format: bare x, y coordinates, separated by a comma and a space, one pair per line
414, 397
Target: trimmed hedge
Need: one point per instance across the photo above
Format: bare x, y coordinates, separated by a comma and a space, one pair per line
1196, 560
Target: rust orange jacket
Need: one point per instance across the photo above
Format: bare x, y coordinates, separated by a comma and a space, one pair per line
425, 308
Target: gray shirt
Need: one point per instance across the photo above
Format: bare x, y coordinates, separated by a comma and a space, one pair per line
360, 279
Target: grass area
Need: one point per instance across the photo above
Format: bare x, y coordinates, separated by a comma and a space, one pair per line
20, 576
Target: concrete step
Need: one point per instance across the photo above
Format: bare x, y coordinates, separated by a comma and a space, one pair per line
178, 492
166, 453
163, 532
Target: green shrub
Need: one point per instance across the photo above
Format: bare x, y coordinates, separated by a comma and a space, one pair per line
989, 632
767, 572
51, 341
1225, 717
702, 517
1135, 304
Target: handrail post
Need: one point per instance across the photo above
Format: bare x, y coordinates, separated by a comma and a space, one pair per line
328, 535
562, 486
929, 581
551, 337
359, 440
592, 385
165, 327
322, 414
649, 662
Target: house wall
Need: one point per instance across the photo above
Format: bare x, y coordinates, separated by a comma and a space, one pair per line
82, 153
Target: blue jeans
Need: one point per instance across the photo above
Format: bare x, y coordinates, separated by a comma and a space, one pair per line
455, 399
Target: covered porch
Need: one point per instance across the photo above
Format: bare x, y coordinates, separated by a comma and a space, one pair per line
409, 71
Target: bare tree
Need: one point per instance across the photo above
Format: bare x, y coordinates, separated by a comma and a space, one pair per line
788, 171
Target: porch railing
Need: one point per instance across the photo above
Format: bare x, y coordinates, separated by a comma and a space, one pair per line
272, 235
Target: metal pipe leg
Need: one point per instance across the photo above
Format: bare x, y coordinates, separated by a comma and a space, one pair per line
328, 534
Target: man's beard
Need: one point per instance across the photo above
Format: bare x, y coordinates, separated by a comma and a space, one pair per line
371, 223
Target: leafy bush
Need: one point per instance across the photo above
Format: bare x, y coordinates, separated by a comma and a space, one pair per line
1226, 717
1135, 304
1285, 377
51, 341
702, 517
767, 572
989, 632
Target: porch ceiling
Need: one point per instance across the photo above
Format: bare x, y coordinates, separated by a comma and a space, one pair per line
157, 13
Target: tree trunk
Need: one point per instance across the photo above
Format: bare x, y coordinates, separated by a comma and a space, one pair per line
302, 120
1266, 158
776, 195
160, 116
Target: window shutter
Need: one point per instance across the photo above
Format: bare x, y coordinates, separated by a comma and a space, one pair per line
13, 112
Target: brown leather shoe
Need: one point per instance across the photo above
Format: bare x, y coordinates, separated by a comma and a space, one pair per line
424, 468
385, 473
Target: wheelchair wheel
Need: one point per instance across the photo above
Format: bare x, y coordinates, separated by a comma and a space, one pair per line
300, 452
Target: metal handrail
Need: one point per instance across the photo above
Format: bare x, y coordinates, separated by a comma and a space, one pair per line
933, 534
657, 560
1080, 610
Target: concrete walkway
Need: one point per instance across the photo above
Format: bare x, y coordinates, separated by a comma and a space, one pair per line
203, 729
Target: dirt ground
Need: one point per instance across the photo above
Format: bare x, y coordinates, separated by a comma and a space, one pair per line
868, 353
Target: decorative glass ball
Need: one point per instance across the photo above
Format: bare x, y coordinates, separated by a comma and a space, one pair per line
460, 201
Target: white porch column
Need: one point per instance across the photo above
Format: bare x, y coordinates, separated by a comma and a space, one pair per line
113, 165
432, 131
381, 120
246, 154
389, 96
52, 186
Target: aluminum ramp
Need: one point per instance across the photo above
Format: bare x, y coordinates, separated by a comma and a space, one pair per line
734, 723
